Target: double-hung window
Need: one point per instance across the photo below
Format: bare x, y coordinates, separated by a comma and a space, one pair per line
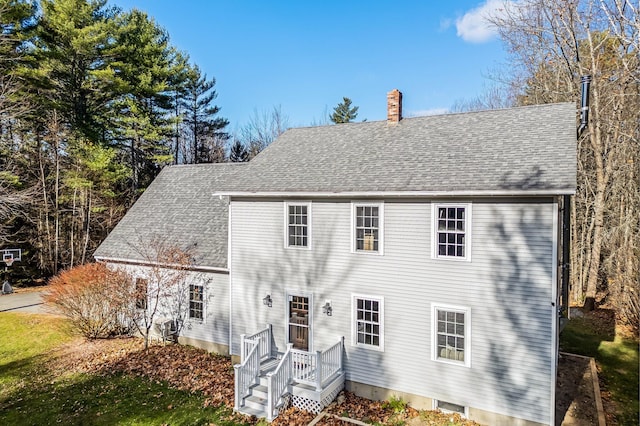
196, 301
452, 226
298, 225
141, 293
367, 227
368, 315
451, 334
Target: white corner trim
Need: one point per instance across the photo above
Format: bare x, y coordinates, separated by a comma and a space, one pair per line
554, 308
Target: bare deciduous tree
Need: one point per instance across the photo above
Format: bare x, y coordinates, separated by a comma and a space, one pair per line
262, 129
551, 44
165, 290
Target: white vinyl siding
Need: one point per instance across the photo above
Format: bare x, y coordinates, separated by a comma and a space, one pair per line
507, 287
214, 327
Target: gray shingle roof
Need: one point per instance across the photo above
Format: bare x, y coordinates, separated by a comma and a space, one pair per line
179, 209
528, 150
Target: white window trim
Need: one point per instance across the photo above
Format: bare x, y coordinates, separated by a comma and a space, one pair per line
380, 205
291, 293
286, 224
467, 333
467, 232
204, 303
354, 322
466, 408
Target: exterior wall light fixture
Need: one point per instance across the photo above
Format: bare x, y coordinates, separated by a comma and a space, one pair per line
267, 301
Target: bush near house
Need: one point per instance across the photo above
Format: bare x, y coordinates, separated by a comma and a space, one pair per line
95, 299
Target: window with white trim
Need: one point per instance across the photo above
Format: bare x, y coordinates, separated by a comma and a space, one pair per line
451, 231
196, 301
367, 227
297, 226
450, 331
368, 322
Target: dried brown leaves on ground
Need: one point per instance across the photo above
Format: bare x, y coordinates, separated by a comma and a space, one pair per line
195, 370
386, 412
183, 367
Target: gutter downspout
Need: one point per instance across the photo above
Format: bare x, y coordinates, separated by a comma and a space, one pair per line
585, 81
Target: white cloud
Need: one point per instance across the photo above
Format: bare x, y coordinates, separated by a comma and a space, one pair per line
474, 26
424, 112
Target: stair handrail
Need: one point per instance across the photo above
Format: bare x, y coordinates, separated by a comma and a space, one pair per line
264, 338
277, 383
246, 374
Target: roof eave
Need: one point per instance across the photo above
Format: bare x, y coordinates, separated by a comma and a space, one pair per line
138, 262
400, 194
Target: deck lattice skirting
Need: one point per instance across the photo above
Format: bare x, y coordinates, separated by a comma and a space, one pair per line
266, 384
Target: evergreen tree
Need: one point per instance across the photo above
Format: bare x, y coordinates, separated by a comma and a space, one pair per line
238, 153
148, 71
89, 107
204, 128
343, 112
65, 62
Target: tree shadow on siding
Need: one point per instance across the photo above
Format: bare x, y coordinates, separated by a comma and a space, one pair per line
521, 368
276, 270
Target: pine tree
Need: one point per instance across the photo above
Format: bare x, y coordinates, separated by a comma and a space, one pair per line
343, 112
147, 72
238, 153
204, 128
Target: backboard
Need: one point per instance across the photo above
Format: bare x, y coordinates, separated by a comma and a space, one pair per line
11, 255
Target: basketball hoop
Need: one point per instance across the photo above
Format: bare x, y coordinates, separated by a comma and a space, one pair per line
11, 255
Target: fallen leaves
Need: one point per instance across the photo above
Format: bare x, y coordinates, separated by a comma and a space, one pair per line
197, 371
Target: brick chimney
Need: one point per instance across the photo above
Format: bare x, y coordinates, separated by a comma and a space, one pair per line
394, 106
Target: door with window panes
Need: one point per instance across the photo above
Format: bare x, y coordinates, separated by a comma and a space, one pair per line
298, 322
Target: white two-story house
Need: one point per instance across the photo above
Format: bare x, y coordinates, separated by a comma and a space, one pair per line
415, 257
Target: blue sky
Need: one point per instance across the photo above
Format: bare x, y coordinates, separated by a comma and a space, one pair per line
305, 56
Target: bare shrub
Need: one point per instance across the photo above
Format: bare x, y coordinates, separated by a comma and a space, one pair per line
96, 299
164, 292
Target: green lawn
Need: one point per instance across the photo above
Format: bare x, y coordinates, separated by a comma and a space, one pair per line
29, 395
616, 357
